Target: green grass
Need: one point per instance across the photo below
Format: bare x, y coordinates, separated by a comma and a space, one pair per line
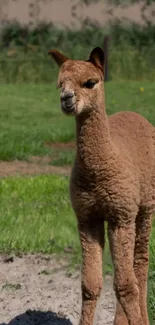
38, 213
126, 61
31, 116
63, 157
11, 287
23, 50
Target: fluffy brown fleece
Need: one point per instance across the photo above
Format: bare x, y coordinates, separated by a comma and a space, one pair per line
113, 180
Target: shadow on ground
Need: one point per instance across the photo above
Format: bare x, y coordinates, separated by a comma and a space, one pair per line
32, 317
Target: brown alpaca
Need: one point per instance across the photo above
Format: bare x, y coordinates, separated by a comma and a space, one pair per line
113, 180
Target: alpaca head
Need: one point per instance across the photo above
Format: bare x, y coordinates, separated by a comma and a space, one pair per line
80, 82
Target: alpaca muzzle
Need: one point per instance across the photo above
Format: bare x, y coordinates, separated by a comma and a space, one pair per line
68, 102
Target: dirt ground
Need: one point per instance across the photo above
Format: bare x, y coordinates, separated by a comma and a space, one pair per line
71, 13
39, 290
35, 166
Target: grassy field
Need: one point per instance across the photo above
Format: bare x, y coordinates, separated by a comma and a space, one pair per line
31, 115
35, 212
18, 65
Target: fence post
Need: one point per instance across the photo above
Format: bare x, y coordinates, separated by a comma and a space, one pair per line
105, 49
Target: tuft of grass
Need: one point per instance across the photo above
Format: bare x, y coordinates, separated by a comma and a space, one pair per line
46, 272
11, 286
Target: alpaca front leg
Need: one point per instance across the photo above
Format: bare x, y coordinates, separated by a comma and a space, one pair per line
122, 240
92, 242
141, 259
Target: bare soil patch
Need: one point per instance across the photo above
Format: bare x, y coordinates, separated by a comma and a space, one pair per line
35, 166
62, 145
71, 13
39, 289
38, 164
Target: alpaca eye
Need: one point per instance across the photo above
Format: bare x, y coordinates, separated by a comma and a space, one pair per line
89, 84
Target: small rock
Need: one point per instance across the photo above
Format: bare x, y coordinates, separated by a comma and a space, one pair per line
8, 259
68, 249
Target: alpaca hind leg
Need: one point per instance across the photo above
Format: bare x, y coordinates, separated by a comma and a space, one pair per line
141, 259
122, 240
92, 242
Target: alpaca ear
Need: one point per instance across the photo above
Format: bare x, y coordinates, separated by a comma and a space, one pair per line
97, 57
58, 57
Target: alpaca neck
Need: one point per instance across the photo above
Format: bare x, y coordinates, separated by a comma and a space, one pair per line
93, 138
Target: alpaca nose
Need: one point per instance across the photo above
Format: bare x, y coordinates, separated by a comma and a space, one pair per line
67, 100
67, 95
